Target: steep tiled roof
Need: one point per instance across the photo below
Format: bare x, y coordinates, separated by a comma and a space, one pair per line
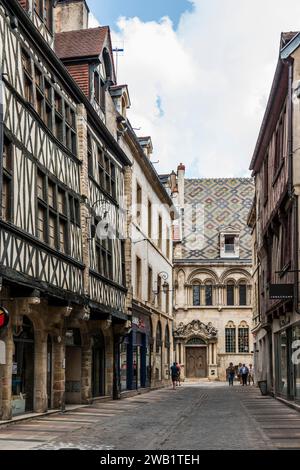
211, 205
82, 43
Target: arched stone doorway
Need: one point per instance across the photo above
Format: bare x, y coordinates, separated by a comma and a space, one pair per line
196, 358
23, 369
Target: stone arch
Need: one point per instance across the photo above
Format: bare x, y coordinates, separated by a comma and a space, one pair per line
230, 272
196, 340
230, 281
230, 324
211, 274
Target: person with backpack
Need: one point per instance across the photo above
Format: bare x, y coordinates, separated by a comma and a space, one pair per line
174, 375
230, 374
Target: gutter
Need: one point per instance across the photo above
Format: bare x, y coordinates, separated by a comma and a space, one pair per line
291, 193
52, 60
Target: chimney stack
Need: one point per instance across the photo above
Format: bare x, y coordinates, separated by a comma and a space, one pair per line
71, 15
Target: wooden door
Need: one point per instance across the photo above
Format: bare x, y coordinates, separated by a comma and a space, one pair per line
196, 363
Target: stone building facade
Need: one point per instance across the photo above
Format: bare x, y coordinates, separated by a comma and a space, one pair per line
146, 353
274, 220
212, 275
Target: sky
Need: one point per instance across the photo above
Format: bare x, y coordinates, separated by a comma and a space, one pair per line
199, 74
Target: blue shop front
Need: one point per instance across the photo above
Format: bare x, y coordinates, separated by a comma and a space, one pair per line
135, 354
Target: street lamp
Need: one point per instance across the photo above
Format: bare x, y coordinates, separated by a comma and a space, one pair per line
105, 208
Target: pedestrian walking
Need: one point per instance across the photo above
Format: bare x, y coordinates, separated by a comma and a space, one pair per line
251, 375
239, 374
244, 371
178, 383
174, 375
230, 374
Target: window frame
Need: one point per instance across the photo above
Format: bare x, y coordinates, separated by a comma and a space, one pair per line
7, 179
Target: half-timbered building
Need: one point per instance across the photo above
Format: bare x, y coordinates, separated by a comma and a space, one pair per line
275, 223
62, 184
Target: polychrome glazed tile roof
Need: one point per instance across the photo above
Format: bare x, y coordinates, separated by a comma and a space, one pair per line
211, 206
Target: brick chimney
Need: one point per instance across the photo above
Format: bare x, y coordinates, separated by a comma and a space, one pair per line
71, 15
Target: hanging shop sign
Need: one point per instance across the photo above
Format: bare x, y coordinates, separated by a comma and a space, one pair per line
138, 322
281, 291
4, 318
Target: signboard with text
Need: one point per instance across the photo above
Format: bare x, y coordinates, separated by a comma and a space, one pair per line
281, 291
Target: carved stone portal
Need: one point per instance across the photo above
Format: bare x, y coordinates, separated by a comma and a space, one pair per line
196, 328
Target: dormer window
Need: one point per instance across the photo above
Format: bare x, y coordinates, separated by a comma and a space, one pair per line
229, 243
97, 87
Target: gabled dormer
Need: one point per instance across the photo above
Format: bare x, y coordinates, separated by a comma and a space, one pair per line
146, 144
229, 242
121, 99
87, 54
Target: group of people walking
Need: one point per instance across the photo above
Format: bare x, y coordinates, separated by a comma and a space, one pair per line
244, 374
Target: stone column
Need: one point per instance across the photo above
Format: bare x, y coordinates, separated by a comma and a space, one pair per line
40, 371
7, 376
86, 370
59, 364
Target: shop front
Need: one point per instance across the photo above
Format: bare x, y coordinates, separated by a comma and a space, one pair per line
287, 344
135, 355
23, 368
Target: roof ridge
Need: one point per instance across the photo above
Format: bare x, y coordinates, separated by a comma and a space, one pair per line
82, 30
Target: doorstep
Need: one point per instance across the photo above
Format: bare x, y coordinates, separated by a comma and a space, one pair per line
290, 404
28, 416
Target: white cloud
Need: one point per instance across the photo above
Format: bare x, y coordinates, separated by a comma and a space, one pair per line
93, 22
200, 91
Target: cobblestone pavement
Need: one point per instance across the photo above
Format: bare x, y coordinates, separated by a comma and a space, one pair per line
193, 417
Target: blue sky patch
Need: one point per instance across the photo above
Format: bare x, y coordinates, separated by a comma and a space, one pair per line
108, 12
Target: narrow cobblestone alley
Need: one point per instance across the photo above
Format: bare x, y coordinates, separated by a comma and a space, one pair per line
194, 417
